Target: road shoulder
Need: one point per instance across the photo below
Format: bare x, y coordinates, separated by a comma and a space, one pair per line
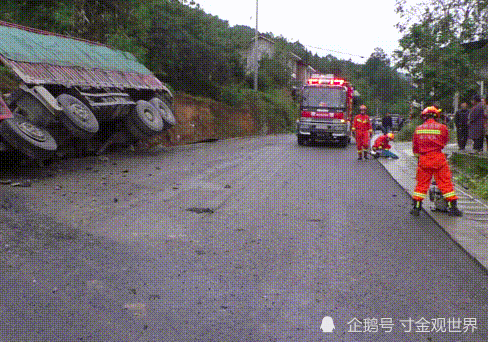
470, 231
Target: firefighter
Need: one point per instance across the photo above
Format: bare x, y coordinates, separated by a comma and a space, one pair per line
362, 130
381, 147
428, 141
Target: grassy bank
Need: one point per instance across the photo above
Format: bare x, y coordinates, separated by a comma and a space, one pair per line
274, 109
471, 172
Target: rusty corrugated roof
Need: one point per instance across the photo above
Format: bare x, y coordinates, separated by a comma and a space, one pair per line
40, 57
38, 73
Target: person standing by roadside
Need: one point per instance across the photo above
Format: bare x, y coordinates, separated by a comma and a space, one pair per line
387, 123
428, 141
476, 129
362, 130
461, 122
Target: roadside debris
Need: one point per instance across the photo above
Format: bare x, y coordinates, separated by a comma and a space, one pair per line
201, 210
137, 309
23, 184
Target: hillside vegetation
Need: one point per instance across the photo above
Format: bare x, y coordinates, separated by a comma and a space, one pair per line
200, 54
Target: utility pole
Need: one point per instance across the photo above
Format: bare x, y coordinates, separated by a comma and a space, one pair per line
256, 63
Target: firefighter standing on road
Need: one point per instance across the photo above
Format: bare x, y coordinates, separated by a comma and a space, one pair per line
362, 130
428, 141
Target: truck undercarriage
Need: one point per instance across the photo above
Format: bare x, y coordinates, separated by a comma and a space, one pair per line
98, 97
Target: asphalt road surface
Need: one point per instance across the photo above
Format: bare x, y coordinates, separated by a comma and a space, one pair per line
254, 239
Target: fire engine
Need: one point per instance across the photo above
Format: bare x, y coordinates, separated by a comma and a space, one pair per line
326, 110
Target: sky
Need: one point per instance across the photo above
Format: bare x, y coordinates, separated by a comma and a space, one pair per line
355, 27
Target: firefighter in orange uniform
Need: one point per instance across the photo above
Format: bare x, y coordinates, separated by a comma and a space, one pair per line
362, 130
428, 141
381, 147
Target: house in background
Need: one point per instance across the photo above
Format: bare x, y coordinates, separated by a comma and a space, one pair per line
265, 46
300, 71
303, 73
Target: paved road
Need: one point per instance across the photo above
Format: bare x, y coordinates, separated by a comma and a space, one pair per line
277, 237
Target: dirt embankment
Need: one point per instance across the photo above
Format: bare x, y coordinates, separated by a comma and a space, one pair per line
204, 119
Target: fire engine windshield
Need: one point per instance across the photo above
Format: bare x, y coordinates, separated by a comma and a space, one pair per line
324, 97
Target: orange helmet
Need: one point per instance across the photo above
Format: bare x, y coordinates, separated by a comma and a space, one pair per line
390, 136
431, 111
363, 107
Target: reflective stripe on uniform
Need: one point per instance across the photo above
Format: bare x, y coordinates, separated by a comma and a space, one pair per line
450, 194
428, 131
419, 195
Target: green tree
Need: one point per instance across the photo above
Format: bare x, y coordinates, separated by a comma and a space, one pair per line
192, 50
431, 46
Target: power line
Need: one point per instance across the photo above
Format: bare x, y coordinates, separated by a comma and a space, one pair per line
344, 53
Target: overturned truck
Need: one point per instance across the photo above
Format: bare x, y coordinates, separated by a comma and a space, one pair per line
62, 92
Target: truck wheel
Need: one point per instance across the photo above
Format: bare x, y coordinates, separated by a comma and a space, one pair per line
77, 117
34, 110
133, 129
147, 118
28, 138
165, 110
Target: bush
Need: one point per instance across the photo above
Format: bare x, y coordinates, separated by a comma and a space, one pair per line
232, 96
274, 109
406, 133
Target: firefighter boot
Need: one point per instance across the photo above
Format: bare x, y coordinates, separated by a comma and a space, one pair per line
360, 155
365, 154
417, 206
452, 209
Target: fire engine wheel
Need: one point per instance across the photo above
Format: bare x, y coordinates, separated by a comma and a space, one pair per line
34, 110
28, 138
77, 117
147, 118
165, 111
343, 142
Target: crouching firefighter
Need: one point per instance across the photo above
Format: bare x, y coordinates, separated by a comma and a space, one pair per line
381, 147
428, 141
362, 130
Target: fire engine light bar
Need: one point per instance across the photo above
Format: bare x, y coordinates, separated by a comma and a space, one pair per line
322, 80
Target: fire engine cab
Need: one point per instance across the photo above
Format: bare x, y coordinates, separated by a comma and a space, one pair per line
326, 110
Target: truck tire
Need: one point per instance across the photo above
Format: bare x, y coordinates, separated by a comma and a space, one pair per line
146, 118
77, 117
134, 131
166, 112
28, 138
34, 110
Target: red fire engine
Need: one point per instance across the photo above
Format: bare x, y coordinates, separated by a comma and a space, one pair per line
326, 110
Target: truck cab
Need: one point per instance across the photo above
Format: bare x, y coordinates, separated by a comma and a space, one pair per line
326, 111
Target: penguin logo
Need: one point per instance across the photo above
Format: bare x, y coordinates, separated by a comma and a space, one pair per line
327, 324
